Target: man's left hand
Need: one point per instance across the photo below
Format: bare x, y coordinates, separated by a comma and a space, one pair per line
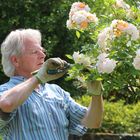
94, 88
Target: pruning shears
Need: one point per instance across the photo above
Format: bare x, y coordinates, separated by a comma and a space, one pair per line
56, 71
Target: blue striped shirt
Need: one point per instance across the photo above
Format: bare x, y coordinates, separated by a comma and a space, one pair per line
48, 114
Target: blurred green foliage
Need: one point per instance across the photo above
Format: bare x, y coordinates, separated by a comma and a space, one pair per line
118, 117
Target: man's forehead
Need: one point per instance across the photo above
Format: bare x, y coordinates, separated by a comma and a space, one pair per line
30, 43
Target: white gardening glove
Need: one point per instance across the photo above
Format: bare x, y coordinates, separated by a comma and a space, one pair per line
94, 88
53, 64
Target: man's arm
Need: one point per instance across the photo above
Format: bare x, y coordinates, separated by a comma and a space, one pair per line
15, 96
94, 115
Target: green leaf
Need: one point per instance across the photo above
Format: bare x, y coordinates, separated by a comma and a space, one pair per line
78, 34
99, 79
69, 56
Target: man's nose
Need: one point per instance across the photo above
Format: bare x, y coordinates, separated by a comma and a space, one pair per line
42, 53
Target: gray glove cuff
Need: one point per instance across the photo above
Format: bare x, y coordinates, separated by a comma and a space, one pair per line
94, 93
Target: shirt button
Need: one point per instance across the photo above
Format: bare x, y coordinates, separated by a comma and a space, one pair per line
49, 114
54, 129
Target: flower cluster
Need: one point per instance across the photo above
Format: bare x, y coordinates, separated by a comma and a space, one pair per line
103, 64
99, 62
80, 16
116, 29
136, 61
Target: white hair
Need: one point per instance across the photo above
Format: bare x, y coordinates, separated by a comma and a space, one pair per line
13, 45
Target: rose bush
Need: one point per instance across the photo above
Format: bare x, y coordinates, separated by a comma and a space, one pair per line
114, 54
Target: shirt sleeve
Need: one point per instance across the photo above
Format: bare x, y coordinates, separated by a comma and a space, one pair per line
5, 118
76, 113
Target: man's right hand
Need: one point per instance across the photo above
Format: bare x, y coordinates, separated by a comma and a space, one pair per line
51, 64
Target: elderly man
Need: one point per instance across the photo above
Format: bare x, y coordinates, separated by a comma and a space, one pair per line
30, 107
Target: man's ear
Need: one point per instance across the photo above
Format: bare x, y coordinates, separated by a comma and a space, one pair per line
14, 60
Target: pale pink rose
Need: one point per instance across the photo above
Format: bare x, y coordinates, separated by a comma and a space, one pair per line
133, 31
138, 52
81, 59
102, 38
122, 26
114, 23
136, 63
119, 24
105, 65
102, 56
79, 16
76, 56
77, 6
92, 17
122, 4
104, 35
69, 24
109, 65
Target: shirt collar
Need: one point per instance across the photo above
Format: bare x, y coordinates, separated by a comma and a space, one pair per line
17, 79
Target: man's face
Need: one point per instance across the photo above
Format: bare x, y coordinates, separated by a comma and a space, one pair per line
31, 59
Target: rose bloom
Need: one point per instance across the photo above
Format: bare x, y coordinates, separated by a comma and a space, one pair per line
118, 27
81, 59
133, 31
102, 56
77, 6
122, 4
138, 52
136, 63
92, 17
78, 20
102, 38
79, 16
121, 25
105, 65
81, 19
69, 24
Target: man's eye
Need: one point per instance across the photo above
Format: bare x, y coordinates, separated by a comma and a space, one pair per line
34, 52
38, 51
